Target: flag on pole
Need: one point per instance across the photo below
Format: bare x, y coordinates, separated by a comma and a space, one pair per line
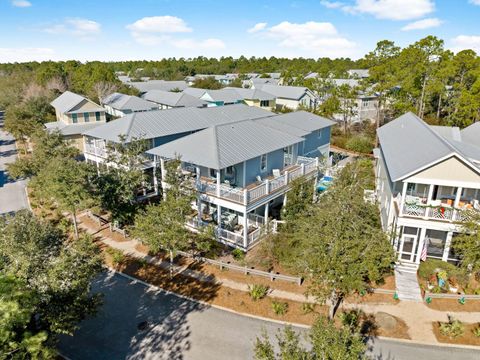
423, 255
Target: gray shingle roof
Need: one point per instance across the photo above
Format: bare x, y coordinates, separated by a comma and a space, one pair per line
172, 99
471, 134
67, 101
157, 123
408, 144
126, 102
286, 92
71, 129
144, 86
225, 145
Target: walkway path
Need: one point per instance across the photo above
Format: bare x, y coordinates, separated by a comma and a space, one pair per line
417, 316
12, 193
407, 283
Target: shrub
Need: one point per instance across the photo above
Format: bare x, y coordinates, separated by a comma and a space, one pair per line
360, 144
432, 266
351, 319
453, 328
257, 291
143, 263
279, 308
117, 256
476, 331
308, 308
238, 254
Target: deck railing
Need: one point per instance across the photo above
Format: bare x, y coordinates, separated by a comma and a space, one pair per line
94, 150
441, 213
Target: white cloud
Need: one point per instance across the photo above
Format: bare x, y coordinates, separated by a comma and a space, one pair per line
202, 44
423, 24
320, 38
332, 4
82, 28
475, 2
21, 3
257, 27
26, 54
159, 24
387, 9
463, 42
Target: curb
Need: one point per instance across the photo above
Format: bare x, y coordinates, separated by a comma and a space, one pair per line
402, 341
168, 292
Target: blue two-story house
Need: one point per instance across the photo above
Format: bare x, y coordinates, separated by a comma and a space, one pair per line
243, 169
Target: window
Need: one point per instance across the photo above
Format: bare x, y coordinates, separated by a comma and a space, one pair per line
229, 171
263, 163
86, 117
74, 118
319, 133
97, 116
264, 103
213, 173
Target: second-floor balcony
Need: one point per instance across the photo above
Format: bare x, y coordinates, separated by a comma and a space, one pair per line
255, 192
95, 150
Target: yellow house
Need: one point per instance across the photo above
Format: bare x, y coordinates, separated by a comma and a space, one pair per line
75, 115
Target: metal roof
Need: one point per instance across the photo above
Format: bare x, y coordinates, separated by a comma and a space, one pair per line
286, 92
144, 86
448, 132
71, 129
252, 94
471, 134
223, 95
180, 99
225, 145
127, 102
67, 101
196, 92
158, 123
408, 144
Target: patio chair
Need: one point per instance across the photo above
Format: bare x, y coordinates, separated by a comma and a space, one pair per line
276, 172
259, 178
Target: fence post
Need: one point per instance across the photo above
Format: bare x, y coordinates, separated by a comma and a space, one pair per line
271, 275
286, 177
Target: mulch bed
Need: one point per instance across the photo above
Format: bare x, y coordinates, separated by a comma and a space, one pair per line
454, 305
466, 339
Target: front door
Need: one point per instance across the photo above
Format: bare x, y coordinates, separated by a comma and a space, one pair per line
288, 155
407, 247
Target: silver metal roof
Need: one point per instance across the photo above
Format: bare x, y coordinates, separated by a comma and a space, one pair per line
408, 144
286, 92
173, 99
225, 145
196, 92
67, 101
471, 134
252, 94
127, 102
157, 123
223, 95
144, 86
71, 129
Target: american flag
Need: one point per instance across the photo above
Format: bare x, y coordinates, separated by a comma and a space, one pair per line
423, 255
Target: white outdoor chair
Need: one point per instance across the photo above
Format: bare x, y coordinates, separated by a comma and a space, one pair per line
276, 172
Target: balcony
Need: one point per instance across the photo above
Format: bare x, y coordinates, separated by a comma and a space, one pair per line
255, 192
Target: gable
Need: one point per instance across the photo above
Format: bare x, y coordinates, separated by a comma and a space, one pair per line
449, 171
86, 106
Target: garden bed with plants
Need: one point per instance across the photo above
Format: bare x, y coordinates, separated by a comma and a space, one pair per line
456, 332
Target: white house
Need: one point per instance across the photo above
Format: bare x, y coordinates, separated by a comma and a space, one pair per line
427, 183
119, 105
291, 97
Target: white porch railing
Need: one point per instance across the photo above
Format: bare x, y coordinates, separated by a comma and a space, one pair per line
94, 150
442, 213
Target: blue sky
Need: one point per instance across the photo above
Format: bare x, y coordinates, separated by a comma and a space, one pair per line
155, 29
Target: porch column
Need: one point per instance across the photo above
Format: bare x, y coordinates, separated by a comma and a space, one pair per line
219, 216
155, 181
245, 230
267, 208
199, 202
421, 242
404, 194
164, 187
458, 196
430, 194
446, 249
285, 199
218, 183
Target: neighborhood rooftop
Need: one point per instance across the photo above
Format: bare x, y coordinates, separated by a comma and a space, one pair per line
173, 99
144, 86
70, 129
286, 92
225, 145
127, 102
408, 144
68, 101
252, 94
157, 123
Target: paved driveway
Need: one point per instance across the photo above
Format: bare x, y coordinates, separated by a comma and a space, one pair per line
181, 329
12, 193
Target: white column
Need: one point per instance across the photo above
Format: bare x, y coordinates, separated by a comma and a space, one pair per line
404, 194
457, 197
421, 242
448, 242
155, 181
285, 199
218, 183
267, 186
430, 194
286, 177
267, 208
302, 167
245, 230
162, 168
219, 216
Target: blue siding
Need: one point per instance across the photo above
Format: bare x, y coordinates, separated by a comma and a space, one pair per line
166, 139
274, 161
313, 142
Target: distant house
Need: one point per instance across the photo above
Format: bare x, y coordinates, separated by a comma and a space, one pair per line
168, 99
256, 97
257, 82
427, 184
222, 79
221, 97
119, 105
291, 97
75, 114
144, 86
358, 73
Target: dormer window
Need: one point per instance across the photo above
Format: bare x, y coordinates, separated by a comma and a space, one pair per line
263, 163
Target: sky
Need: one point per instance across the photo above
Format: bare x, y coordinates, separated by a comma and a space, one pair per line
111, 30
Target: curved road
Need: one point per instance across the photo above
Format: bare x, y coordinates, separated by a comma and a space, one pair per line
181, 329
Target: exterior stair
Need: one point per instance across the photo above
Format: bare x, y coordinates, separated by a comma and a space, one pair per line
406, 282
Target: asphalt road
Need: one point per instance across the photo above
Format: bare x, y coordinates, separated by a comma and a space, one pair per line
12, 193
182, 329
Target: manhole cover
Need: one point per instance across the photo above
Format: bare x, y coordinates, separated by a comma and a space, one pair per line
142, 325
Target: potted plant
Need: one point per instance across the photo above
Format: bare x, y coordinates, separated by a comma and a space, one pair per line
442, 278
